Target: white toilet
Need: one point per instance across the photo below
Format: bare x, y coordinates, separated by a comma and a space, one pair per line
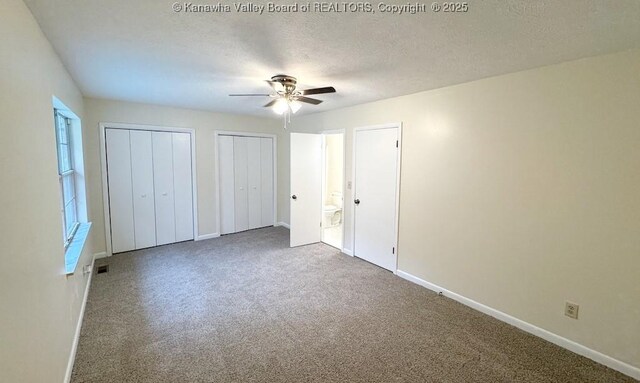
332, 212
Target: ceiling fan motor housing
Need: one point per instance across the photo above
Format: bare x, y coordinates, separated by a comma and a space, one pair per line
288, 82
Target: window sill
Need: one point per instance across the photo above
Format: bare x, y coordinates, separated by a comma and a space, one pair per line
74, 251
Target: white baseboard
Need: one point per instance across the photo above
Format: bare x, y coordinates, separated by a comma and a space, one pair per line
348, 251
283, 224
100, 255
570, 345
207, 236
76, 337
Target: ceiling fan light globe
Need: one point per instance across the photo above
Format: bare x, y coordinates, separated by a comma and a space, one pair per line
280, 106
295, 106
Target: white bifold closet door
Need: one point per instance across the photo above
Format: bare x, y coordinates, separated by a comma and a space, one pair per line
266, 175
246, 183
163, 184
241, 197
182, 188
150, 188
227, 188
144, 216
254, 180
120, 190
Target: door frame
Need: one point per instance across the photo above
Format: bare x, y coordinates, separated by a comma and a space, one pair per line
218, 133
103, 164
392, 125
344, 176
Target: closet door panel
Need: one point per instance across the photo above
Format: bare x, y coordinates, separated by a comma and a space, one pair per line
254, 180
120, 190
163, 185
227, 189
241, 207
182, 180
142, 180
266, 180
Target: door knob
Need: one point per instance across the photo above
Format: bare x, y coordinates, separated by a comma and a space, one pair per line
294, 197
356, 201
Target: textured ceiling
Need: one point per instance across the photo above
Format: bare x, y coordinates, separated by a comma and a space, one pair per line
143, 51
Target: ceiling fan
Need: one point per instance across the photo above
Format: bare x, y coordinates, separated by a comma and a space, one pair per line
286, 98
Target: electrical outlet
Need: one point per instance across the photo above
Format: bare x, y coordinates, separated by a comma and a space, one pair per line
349, 185
571, 310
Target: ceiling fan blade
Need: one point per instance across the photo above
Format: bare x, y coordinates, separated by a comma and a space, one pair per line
309, 100
271, 103
250, 95
326, 89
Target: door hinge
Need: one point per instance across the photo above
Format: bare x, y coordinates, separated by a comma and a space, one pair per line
393, 250
396, 143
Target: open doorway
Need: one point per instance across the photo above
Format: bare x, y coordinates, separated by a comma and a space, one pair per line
333, 188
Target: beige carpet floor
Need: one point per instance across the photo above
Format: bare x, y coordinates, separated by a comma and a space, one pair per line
247, 308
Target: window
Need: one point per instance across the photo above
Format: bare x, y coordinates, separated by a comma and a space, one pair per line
67, 176
73, 196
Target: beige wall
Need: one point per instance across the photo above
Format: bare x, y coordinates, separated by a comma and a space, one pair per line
523, 191
204, 123
519, 192
40, 306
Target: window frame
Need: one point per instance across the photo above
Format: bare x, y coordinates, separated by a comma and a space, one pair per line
68, 230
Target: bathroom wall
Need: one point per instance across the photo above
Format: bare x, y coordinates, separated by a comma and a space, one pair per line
334, 169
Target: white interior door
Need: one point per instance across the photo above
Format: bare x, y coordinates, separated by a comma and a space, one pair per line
306, 188
163, 185
376, 167
241, 202
227, 188
143, 198
266, 170
183, 190
254, 182
119, 187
